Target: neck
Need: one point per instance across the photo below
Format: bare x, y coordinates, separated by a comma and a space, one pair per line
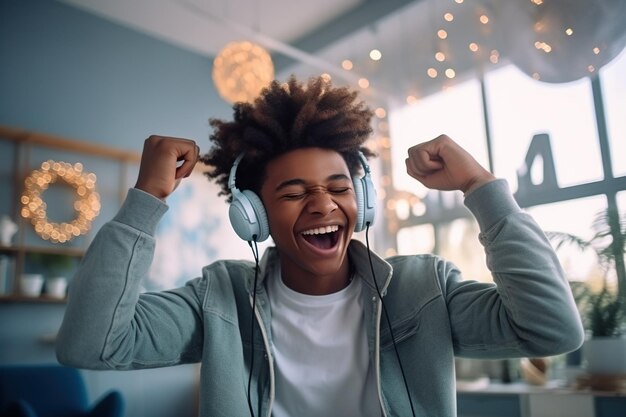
310, 283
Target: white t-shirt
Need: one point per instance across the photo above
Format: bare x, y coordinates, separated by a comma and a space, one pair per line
321, 355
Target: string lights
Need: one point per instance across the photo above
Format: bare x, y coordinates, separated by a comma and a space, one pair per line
86, 205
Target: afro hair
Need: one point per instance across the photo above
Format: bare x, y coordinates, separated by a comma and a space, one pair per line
286, 117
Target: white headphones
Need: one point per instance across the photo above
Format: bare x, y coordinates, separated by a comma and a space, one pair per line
249, 218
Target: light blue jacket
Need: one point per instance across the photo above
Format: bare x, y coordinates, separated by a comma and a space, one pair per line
435, 313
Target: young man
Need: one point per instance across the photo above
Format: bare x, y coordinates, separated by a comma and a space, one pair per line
316, 343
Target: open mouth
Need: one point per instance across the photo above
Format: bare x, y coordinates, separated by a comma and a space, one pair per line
322, 237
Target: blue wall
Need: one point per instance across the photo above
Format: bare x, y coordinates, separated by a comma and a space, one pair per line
69, 73
66, 72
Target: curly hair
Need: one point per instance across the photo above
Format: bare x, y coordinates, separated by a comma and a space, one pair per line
286, 117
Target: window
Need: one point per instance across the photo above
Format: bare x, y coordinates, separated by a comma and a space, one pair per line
521, 107
578, 265
456, 112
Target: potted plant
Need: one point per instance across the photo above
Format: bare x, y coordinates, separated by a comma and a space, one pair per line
603, 312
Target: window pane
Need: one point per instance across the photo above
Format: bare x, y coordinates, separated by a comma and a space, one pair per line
621, 202
613, 78
520, 107
621, 207
456, 112
574, 217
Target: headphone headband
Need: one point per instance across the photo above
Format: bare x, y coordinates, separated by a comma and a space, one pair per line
233, 172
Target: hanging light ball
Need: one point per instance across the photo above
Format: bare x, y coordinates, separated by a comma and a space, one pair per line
560, 41
241, 70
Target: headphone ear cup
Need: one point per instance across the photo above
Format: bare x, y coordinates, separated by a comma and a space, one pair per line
247, 216
369, 201
261, 215
360, 204
365, 202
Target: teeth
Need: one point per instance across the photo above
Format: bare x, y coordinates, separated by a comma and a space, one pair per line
321, 230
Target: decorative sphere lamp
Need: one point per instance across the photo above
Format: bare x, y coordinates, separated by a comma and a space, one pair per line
560, 41
241, 70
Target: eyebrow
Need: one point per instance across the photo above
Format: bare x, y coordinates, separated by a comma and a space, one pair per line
298, 181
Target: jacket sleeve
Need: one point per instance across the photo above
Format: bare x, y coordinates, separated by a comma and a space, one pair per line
530, 310
108, 324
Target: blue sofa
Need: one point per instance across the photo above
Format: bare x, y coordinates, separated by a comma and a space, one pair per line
51, 391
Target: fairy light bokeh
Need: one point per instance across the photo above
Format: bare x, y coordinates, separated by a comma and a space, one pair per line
86, 204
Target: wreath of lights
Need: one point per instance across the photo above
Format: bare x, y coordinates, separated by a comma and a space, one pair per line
86, 205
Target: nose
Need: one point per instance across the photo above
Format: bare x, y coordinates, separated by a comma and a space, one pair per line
321, 203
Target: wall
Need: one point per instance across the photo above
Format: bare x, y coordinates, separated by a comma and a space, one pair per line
68, 73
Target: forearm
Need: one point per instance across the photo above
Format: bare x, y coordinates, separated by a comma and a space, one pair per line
105, 289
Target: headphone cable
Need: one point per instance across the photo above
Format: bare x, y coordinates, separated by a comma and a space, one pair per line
393, 339
255, 254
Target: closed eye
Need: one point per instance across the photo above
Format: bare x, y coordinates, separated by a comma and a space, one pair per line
294, 196
340, 190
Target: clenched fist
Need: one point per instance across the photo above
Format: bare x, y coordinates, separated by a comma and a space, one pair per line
442, 164
160, 171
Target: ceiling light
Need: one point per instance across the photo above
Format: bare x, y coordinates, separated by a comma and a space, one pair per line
364, 83
440, 56
432, 73
442, 34
375, 54
346, 64
450, 73
543, 46
473, 47
411, 99
241, 70
566, 37
449, 17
